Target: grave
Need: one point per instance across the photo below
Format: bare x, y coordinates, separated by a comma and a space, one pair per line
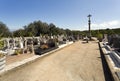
46, 46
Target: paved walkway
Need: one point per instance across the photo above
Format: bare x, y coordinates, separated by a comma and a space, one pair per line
77, 62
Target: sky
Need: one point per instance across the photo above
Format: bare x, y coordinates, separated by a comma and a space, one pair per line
66, 14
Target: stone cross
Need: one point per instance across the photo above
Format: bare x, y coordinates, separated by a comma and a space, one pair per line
89, 23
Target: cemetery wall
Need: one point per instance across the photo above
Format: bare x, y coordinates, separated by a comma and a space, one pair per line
108, 63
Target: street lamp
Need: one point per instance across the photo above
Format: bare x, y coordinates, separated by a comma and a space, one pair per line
89, 23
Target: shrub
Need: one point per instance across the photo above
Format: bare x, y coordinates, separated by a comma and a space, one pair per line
17, 52
99, 37
1, 44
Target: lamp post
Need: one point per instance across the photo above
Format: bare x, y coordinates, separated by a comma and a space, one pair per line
89, 23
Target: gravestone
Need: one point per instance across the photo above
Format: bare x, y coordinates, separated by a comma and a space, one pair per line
21, 43
14, 44
25, 43
32, 48
44, 39
110, 40
51, 37
38, 40
8, 44
60, 38
116, 42
105, 38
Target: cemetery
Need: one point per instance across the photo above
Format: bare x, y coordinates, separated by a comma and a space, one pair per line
110, 47
30, 45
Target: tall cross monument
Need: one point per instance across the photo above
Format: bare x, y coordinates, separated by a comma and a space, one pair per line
89, 23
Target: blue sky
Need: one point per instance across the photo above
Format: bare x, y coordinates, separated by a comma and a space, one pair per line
71, 14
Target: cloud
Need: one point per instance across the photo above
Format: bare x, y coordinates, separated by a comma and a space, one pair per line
114, 23
105, 25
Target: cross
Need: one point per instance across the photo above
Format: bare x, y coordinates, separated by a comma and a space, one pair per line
89, 23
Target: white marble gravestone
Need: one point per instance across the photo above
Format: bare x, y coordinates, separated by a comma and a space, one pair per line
8, 44
105, 38
21, 43
25, 41
44, 39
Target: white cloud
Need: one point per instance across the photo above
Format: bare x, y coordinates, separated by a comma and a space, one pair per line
114, 23
104, 25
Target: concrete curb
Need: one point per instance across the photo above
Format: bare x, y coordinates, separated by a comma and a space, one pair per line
24, 62
107, 58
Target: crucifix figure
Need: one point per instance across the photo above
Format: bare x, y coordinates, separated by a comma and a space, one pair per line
89, 23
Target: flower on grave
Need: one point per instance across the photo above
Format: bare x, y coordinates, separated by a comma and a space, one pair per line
2, 55
17, 52
44, 46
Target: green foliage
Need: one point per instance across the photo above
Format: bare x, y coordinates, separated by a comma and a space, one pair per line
17, 52
99, 36
4, 31
1, 42
109, 31
19, 33
37, 27
117, 31
68, 32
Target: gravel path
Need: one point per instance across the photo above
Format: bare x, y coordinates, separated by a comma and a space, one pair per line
16, 58
77, 62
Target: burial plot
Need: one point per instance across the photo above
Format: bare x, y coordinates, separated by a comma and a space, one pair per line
114, 42
62, 39
46, 46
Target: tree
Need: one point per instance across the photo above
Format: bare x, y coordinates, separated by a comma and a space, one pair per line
4, 31
99, 36
109, 31
52, 29
1, 42
31, 28
18, 33
68, 32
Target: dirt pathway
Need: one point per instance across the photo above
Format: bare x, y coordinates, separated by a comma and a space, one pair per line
77, 62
